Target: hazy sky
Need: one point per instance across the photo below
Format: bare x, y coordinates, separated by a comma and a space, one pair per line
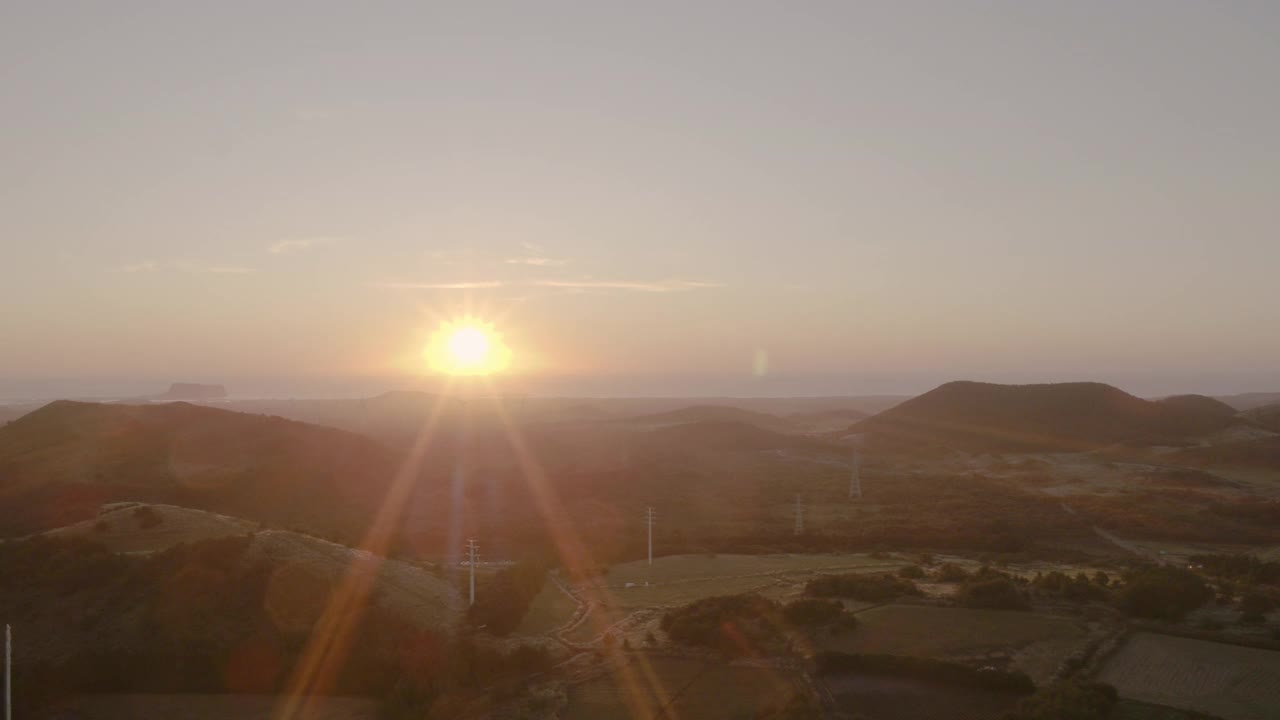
869, 196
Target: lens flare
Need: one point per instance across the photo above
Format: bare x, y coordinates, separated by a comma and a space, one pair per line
467, 346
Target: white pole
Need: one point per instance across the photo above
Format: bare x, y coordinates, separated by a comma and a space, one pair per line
648, 513
471, 548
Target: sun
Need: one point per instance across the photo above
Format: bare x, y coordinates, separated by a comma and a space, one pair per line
467, 347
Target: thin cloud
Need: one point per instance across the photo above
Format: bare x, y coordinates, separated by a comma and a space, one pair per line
186, 266
531, 246
225, 269
296, 245
662, 286
537, 261
144, 266
441, 286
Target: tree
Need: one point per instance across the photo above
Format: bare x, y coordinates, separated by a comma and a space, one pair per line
995, 593
1163, 593
1254, 607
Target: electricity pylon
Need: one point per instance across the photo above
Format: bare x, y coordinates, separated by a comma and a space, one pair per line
799, 515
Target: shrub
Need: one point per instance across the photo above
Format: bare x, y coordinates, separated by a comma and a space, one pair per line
1254, 607
927, 669
812, 611
733, 624
950, 572
1072, 700
147, 517
868, 588
911, 572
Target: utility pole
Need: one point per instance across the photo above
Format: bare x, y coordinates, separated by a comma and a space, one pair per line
472, 552
799, 515
648, 516
8, 672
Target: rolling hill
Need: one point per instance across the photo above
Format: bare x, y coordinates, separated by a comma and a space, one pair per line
1266, 416
61, 463
1052, 417
714, 414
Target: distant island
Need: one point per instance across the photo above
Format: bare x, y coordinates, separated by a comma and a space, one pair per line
189, 391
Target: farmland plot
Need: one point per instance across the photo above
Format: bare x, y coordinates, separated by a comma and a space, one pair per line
1035, 643
1235, 683
686, 688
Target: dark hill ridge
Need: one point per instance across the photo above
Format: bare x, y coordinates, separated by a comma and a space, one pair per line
60, 463
711, 435
1200, 405
1050, 417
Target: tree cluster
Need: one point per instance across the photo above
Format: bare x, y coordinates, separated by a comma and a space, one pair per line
940, 672
864, 587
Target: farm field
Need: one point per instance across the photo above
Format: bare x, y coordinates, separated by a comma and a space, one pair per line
1134, 710
1034, 643
209, 707
679, 579
683, 687
891, 698
1233, 682
550, 609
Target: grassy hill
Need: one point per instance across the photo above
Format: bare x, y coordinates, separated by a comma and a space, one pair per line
1266, 416
61, 463
1063, 416
228, 614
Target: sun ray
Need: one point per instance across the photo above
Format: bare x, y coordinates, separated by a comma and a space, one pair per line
331, 638
577, 560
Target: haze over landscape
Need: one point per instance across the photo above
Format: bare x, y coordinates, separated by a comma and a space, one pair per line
702, 361
872, 198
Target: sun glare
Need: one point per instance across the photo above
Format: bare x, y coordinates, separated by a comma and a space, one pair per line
467, 347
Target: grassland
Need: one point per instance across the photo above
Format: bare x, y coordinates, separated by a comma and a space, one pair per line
891, 698
120, 530
686, 688
209, 707
1033, 643
680, 579
550, 609
1233, 682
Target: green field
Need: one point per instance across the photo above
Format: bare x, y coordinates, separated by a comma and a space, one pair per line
1233, 682
684, 688
1035, 643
